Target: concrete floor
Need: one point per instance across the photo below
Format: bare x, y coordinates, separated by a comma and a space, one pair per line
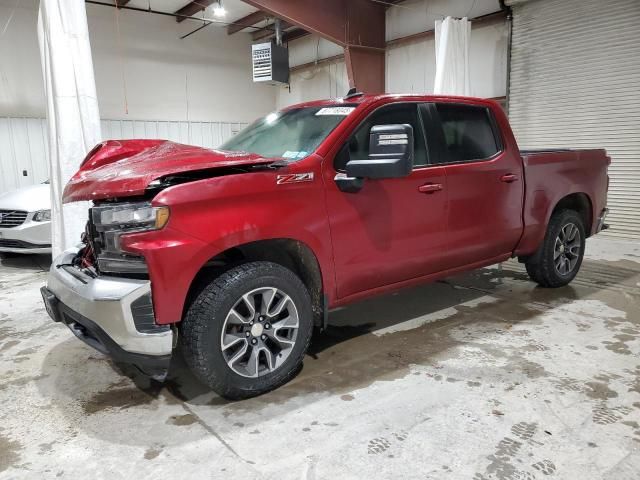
479, 377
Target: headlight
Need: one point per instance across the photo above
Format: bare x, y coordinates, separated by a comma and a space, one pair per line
111, 222
42, 216
127, 216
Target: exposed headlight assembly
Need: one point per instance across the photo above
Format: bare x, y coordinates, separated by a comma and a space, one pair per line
110, 222
42, 216
138, 216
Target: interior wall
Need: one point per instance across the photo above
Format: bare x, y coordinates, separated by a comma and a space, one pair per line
205, 77
326, 80
414, 16
410, 67
23, 142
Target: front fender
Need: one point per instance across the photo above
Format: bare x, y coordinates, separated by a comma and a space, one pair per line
213, 215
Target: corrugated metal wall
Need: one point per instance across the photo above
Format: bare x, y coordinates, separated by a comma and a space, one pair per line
23, 144
575, 82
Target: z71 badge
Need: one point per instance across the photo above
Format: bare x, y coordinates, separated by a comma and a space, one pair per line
295, 178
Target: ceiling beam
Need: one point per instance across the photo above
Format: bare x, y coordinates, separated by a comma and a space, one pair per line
352, 22
248, 21
269, 31
192, 8
294, 34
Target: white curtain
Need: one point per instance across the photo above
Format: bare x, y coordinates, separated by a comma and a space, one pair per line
73, 119
452, 56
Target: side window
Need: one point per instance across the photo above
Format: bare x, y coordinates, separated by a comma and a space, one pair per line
358, 144
468, 132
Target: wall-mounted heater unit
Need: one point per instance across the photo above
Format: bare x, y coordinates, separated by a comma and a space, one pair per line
270, 63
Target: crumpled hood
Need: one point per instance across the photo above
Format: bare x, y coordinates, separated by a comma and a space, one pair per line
124, 168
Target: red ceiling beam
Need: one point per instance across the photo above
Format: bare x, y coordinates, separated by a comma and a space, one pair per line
356, 25
192, 8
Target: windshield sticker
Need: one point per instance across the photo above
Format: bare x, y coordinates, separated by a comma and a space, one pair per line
335, 111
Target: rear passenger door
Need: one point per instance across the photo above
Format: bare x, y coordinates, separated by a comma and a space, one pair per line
484, 182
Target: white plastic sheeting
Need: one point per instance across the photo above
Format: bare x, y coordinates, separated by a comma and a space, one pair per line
452, 56
73, 120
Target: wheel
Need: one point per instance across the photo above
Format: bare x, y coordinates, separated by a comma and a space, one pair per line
558, 259
247, 331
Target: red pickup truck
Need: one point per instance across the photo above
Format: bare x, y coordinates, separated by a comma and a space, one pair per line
237, 254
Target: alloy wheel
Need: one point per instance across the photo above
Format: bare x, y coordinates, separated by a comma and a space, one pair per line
566, 251
259, 332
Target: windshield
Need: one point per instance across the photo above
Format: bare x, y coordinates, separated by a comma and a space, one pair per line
290, 134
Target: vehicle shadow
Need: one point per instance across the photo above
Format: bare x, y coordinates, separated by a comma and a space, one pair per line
380, 339
36, 262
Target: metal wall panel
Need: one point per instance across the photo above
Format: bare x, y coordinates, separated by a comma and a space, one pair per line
23, 142
575, 82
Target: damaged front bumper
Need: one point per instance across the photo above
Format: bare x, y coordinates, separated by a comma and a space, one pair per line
113, 315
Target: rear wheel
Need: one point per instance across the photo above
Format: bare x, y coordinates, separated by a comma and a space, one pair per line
248, 330
559, 258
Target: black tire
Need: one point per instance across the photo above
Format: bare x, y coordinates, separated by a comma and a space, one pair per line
541, 266
201, 329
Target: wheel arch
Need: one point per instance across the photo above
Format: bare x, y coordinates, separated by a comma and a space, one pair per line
579, 202
292, 254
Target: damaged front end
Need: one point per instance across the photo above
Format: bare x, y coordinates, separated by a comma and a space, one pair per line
102, 290
111, 314
103, 293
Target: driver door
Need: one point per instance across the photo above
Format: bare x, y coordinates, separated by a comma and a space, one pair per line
393, 229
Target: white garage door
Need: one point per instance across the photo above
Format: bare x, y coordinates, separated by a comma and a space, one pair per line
575, 82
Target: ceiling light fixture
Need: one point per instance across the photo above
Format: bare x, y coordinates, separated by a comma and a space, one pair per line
219, 10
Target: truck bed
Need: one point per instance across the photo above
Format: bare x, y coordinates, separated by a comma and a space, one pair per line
553, 174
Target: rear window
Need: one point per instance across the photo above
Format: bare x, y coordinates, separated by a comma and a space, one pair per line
468, 132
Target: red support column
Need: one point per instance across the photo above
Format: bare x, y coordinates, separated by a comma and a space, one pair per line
365, 68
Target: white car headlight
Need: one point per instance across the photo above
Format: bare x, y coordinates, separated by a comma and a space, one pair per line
42, 216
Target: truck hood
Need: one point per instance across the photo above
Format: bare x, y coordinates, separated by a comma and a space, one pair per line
125, 168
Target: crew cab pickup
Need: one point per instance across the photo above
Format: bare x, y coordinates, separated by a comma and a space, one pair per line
237, 253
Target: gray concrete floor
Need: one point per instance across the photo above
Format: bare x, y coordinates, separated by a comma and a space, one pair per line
481, 376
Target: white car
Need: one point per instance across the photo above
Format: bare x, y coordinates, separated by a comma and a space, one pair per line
25, 220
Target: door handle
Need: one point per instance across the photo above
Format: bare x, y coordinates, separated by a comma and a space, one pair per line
509, 178
430, 188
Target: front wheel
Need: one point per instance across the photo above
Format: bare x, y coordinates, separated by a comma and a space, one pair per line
559, 258
247, 332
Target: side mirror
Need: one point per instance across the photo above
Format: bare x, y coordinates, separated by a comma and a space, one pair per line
390, 153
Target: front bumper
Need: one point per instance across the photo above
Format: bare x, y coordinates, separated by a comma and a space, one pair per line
113, 315
30, 237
